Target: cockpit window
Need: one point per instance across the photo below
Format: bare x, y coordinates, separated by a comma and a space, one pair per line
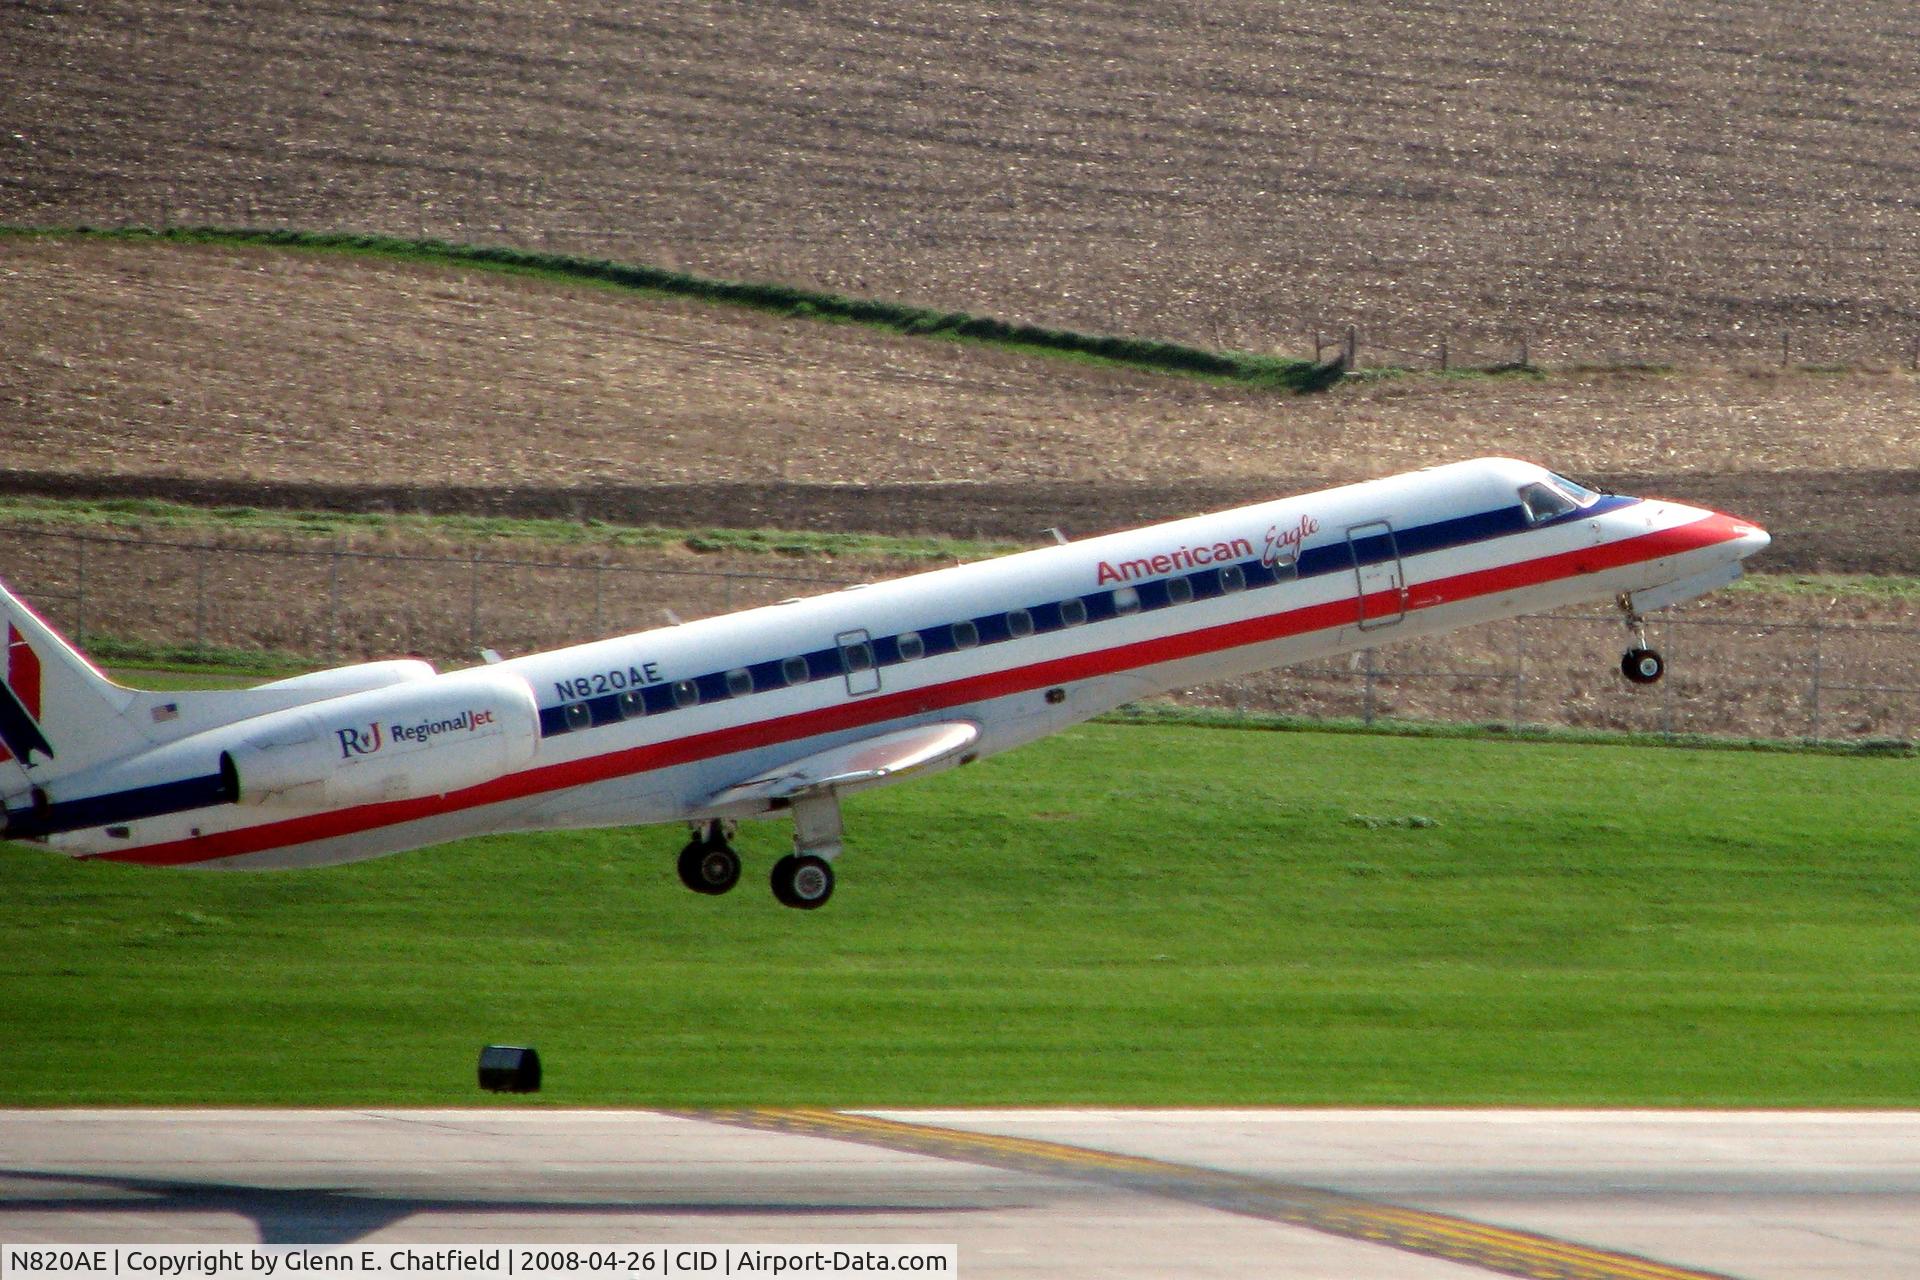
1544, 502
1582, 495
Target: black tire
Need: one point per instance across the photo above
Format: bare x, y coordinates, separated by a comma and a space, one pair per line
709, 868
1642, 666
802, 881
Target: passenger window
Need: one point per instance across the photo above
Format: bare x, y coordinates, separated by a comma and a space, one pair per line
965, 635
1544, 502
1019, 624
794, 670
632, 703
739, 682
685, 693
1233, 578
1179, 590
1073, 612
910, 645
1126, 601
579, 715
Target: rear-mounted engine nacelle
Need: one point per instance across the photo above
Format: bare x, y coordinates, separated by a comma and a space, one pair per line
360, 678
422, 738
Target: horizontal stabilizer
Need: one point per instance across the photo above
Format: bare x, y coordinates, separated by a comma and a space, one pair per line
855, 763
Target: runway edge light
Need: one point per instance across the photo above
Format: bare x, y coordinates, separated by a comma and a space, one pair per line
507, 1068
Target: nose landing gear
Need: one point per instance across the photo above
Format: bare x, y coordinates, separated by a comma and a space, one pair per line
1640, 664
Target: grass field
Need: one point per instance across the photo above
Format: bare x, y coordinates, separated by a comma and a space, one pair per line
1129, 915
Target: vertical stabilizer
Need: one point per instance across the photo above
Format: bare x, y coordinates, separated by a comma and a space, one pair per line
58, 713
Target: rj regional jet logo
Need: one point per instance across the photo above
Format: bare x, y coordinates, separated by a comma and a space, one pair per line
20, 734
359, 742
365, 741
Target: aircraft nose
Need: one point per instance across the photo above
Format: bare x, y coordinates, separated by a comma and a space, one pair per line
1749, 539
1704, 529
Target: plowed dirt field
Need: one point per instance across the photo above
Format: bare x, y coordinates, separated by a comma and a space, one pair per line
274, 378
1615, 179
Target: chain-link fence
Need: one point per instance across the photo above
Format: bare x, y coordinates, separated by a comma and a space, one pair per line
1745, 666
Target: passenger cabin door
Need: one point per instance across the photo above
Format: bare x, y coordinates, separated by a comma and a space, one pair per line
1378, 579
857, 660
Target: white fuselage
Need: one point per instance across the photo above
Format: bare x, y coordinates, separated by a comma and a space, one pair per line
651, 727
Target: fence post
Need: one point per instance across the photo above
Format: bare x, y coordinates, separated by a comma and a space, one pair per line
1366, 700
1519, 672
1786, 348
1526, 354
473, 603
333, 599
1813, 695
80, 594
1666, 685
1351, 360
200, 596
1443, 355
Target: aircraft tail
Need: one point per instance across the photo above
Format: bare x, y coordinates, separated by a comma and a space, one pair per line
57, 711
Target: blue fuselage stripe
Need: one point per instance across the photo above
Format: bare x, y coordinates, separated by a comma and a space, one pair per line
1336, 556
156, 801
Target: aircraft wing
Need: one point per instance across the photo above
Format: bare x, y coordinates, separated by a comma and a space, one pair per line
869, 760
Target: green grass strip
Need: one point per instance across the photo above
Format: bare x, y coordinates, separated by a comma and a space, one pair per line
153, 513
1841, 586
1172, 713
1240, 367
143, 664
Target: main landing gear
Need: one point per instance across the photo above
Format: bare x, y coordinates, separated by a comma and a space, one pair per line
708, 864
803, 879
1640, 664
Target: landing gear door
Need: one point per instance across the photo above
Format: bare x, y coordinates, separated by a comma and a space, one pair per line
1378, 579
857, 660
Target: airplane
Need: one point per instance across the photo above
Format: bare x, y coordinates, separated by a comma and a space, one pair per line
787, 708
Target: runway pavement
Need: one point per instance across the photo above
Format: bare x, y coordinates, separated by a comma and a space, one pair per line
1318, 1193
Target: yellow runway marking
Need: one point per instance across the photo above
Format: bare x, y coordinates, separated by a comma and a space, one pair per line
1434, 1235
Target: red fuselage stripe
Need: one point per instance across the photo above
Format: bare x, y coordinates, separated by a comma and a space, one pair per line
881, 707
